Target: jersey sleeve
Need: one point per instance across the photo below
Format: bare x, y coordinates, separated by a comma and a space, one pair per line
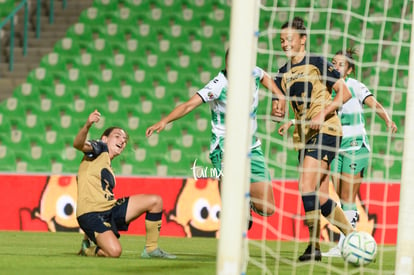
258, 73
362, 92
212, 90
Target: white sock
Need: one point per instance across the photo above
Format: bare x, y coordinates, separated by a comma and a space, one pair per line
352, 216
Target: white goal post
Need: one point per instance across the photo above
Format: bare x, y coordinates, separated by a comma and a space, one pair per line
232, 249
232, 256
405, 237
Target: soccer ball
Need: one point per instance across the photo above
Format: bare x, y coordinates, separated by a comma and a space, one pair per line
359, 248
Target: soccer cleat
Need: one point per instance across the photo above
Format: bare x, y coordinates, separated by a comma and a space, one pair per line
333, 252
311, 254
84, 245
157, 253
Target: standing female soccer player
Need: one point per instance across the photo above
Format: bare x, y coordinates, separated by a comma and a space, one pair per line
215, 93
99, 213
349, 167
307, 80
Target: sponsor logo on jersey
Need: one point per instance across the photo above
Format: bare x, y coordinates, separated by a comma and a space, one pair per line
353, 166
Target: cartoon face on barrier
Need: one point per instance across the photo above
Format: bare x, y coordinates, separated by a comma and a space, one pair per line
57, 204
198, 207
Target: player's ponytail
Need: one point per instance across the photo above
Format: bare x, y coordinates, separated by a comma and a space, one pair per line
349, 54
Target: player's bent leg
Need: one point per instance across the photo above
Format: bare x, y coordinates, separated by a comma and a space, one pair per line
337, 217
84, 245
261, 190
139, 204
323, 199
312, 175
151, 205
153, 227
355, 165
262, 199
350, 187
109, 245
324, 189
312, 221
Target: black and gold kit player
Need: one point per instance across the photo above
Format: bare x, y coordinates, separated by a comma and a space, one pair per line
308, 81
308, 84
100, 215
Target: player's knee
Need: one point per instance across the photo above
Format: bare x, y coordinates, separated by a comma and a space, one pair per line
269, 212
158, 201
346, 197
263, 210
114, 252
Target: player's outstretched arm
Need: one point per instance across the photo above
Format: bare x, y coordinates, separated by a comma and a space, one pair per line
80, 139
178, 112
278, 109
372, 102
342, 95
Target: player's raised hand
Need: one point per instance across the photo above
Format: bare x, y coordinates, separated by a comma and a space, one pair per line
94, 117
391, 126
157, 127
283, 130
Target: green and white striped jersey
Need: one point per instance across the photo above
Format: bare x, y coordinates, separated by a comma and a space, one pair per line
215, 93
352, 117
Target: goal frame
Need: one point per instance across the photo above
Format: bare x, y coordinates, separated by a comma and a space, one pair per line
404, 263
232, 248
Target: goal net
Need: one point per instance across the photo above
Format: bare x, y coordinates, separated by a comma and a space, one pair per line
380, 32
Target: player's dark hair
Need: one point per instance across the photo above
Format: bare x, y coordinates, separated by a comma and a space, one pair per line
298, 24
109, 130
349, 55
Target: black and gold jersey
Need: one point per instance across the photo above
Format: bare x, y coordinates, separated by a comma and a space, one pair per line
96, 181
308, 85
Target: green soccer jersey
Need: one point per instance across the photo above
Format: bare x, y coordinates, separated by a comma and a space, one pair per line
215, 93
352, 117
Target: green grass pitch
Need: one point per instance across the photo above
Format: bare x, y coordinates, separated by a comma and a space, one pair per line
55, 253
